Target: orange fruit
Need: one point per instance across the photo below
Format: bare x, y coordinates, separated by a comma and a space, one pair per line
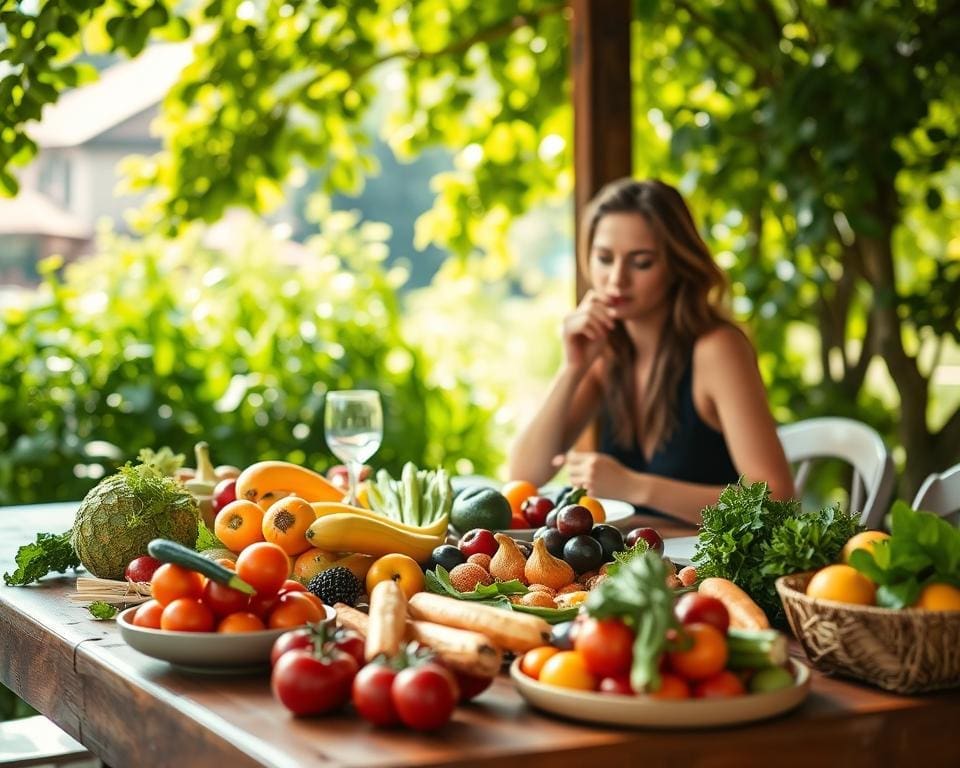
397, 567
517, 492
567, 669
533, 660
239, 524
595, 507
939, 597
843, 584
863, 540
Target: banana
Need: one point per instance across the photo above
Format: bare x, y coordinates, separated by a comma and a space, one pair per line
261, 478
437, 528
350, 532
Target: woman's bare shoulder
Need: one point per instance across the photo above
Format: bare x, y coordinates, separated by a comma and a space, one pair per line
725, 343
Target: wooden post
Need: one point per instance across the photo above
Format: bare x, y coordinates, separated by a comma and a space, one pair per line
602, 115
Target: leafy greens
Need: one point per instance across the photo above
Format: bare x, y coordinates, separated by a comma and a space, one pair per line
50, 552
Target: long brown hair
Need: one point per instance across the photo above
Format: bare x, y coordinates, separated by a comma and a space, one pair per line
697, 299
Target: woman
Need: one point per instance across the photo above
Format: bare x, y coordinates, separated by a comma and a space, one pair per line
652, 352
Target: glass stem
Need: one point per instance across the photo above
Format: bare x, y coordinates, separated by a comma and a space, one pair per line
353, 474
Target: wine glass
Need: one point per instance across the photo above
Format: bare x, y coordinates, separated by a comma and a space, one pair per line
353, 428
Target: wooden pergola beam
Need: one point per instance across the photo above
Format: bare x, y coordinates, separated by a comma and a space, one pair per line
602, 109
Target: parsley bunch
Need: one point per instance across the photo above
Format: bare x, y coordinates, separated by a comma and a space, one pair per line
752, 540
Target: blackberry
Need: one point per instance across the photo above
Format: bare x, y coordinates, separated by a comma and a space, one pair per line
336, 585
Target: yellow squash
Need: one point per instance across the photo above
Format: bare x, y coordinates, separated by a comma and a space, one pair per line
350, 532
324, 508
264, 477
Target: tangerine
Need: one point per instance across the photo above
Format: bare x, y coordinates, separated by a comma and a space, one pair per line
533, 660
517, 492
843, 584
939, 597
864, 540
567, 669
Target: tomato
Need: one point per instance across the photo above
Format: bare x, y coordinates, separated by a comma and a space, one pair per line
619, 685
694, 608
373, 695
264, 566
568, 669
295, 640
262, 605
352, 643
722, 685
291, 585
308, 684
242, 621
470, 686
148, 615
187, 614
224, 600
671, 687
705, 653
141, 568
171, 581
606, 646
533, 660
425, 696
294, 609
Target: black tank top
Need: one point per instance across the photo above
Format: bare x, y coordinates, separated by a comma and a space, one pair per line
694, 453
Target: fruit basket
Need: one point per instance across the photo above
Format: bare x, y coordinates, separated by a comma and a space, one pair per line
905, 651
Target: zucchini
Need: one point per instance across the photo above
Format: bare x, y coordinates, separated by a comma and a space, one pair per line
755, 648
167, 551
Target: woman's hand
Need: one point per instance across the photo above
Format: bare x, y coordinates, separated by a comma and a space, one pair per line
585, 330
599, 473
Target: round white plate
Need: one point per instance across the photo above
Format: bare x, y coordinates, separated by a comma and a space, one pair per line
215, 652
644, 711
614, 510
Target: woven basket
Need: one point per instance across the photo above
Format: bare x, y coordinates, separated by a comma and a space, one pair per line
906, 651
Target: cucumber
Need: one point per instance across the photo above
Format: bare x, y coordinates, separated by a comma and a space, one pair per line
167, 551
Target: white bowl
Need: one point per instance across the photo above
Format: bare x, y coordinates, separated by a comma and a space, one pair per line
216, 652
646, 711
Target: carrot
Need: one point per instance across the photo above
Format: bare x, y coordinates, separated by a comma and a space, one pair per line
350, 618
744, 613
512, 631
388, 616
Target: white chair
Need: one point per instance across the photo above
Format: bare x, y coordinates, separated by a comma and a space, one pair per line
36, 741
853, 442
940, 494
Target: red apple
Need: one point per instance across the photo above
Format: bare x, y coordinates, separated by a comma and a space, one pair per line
536, 509
224, 492
141, 568
479, 540
654, 540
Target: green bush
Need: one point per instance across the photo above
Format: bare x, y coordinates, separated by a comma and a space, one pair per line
164, 342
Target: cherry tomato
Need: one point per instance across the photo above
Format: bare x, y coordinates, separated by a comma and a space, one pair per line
606, 646
171, 581
694, 608
141, 568
148, 615
722, 685
373, 695
264, 566
705, 654
297, 639
470, 686
262, 605
224, 600
619, 685
308, 684
350, 642
671, 687
568, 669
224, 492
534, 659
293, 609
187, 614
242, 621
425, 696
291, 585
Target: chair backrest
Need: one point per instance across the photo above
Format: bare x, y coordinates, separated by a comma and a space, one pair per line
940, 494
855, 443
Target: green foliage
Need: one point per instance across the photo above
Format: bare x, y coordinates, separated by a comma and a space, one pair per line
50, 552
164, 343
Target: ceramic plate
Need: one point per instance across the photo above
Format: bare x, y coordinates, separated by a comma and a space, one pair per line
642, 711
204, 651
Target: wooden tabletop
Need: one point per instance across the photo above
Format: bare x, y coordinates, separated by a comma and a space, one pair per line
131, 710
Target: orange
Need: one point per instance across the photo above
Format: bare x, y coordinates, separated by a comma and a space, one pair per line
939, 597
843, 584
567, 669
595, 507
533, 660
864, 540
402, 569
517, 492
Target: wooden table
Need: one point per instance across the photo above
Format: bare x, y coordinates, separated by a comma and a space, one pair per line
131, 710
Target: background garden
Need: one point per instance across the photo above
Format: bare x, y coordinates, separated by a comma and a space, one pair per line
818, 142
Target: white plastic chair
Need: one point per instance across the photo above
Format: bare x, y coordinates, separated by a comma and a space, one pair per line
940, 494
851, 441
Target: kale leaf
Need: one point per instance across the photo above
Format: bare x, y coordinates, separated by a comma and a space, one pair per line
50, 552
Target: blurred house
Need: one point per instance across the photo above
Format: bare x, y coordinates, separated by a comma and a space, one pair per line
81, 139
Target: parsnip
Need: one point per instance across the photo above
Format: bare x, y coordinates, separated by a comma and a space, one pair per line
387, 620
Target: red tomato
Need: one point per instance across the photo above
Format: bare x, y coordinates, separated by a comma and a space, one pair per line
310, 685
148, 615
470, 686
606, 646
619, 685
224, 492
172, 581
224, 600
297, 639
240, 622
671, 687
264, 566
352, 643
187, 614
720, 686
373, 695
425, 696
262, 605
694, 608
291, 585
293, 609
703, 654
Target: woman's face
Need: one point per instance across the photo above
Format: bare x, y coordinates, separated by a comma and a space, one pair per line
626, 266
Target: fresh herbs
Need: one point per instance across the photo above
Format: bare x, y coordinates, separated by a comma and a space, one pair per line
751, 539
625, 556
102, 611
638, 595
50, 552
922, 549
206, 539
164, 461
